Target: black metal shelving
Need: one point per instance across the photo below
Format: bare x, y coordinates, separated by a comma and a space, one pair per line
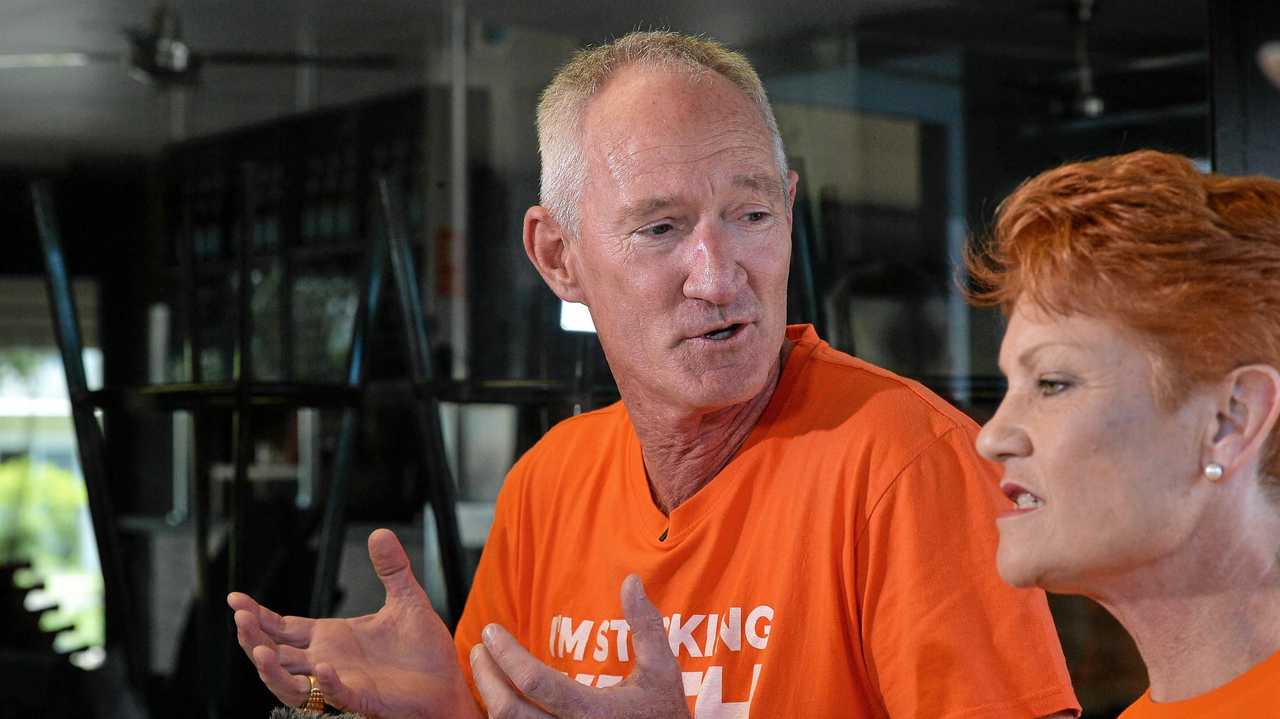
242, 398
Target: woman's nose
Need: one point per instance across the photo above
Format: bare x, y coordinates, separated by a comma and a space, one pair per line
1002, 438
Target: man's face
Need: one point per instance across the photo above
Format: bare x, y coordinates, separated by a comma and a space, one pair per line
685, 238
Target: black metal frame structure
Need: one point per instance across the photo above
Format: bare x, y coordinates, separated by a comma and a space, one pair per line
120, 640
243, 397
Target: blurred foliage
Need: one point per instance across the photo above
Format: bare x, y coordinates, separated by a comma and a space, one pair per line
20, 363
41, 510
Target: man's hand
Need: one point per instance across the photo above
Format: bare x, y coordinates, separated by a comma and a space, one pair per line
399, 662
517, 686
1269, 61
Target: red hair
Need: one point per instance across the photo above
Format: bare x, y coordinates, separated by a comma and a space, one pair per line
1190, 260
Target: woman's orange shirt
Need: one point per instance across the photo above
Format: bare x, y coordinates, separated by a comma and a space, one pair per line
1252, 695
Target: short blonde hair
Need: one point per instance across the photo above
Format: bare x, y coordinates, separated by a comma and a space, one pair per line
563, 102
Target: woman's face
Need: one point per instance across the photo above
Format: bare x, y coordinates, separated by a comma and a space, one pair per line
1100, 478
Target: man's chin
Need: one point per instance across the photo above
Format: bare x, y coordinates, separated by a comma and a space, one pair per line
717, 390
711, 396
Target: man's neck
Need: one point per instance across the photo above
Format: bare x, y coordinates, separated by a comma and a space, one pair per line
683, 452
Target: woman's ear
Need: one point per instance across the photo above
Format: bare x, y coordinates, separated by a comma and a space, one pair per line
1248, 404
549, 249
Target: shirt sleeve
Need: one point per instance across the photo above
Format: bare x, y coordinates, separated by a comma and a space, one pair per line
943, 635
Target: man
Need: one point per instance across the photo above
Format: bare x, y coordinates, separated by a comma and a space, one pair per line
817, 533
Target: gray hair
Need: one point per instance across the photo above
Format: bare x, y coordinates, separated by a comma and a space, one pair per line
562, 105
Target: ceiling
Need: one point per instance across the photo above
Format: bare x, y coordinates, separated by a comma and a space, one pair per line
50, 114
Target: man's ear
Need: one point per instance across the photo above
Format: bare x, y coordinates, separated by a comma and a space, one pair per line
1248, 404
793, 181
547, 245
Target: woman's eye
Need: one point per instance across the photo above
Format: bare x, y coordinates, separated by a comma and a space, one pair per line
1050, 387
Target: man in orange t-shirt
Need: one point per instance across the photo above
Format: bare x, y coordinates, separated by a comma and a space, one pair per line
817, 535
839, 565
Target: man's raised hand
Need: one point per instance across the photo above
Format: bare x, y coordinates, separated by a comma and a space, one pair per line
397, 662
515, 685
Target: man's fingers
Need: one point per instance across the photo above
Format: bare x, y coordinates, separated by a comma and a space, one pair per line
533, 679
391, 565
294, 631
290, 689
240, 600
1269, 61
248, 628
500, 698
295, 661
337, 693
653, 650
249, 633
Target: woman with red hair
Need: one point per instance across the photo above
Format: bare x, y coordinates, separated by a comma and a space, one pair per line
1137, 433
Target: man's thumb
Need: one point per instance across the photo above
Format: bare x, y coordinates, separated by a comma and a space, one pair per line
391, 564
653, 651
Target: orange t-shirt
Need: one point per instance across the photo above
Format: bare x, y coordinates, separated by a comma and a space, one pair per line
1252, 695
841, 565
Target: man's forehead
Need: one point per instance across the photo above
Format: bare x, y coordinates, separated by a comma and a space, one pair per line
642, 103
656, 177
742, 153
629, 147
650, 132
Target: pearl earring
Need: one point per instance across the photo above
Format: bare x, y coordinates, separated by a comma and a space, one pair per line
1213, 471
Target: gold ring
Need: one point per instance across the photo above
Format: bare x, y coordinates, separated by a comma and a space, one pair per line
315, 697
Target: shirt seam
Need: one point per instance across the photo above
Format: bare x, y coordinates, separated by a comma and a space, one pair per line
902, 382
519, 545
875, 507
862, 533
1063, 690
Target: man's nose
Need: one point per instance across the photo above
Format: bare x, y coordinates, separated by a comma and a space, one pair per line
715, 274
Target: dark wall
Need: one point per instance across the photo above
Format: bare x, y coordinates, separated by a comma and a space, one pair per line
1013, 132
1246, 108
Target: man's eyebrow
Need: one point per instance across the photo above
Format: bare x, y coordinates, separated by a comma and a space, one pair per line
646, 207
761, 182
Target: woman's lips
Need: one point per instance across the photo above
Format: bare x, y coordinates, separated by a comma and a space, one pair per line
1024, 500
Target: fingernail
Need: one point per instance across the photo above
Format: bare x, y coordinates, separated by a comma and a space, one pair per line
490, 634
475, 654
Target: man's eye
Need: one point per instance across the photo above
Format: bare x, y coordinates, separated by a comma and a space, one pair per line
754, 217
1050, 387
657, 230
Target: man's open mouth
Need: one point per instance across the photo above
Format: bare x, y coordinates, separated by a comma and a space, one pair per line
723, 333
